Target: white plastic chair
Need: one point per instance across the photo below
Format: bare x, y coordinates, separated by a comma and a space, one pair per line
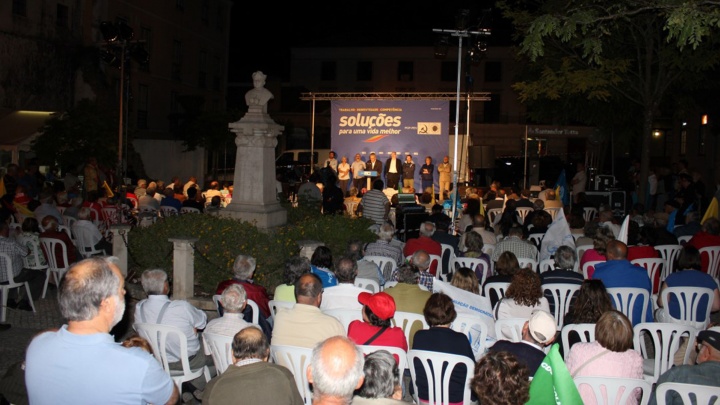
653, 266
521, 213
55, 268
168, 211
438, 368
296, 359
7, 267
536, 238
587, 265
666, 341
589, 213
386, 264
553, 211
158, 336
344, 315
478, 265
585, 331
276, 306
69, 221
713, 253
68, 232
509, 329
688, 299
85, 245
703, 394
189, 210
562, 294
579, 252
499, 287
546, 265
476, 331
624, 300
684, 239
488, 249
368, 284
445, 267
524, 262
220, 348
614, 390
406, 321
494, 215
669, 253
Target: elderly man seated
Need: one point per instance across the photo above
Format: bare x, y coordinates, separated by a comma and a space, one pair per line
233, 300
85, 229
243, 270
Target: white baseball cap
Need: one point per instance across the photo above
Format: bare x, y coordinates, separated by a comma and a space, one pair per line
542, 326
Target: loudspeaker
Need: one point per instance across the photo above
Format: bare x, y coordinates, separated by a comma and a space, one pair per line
481, 157
614, 200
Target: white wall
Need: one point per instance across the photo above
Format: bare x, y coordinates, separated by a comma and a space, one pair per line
164, 159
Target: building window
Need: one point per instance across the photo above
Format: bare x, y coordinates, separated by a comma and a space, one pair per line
205, 12
493, 72
176, 60
142, 107
62, 16
405, 71
491, 109
202, 70
448, 71
19, 7
328, 71
180, 5
364, 71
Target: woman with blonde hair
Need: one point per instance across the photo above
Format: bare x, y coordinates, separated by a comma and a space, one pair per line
465, 279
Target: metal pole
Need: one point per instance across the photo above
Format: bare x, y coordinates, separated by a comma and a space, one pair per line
312, 137
122, 110
466, 144
457, 127
526, 159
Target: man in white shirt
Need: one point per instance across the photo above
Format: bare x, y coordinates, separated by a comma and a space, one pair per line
344, 295
356, 168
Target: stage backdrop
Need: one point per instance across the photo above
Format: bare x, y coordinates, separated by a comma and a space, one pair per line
415, 127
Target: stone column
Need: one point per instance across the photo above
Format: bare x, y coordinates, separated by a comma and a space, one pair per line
120, 234
255, 197
183, 267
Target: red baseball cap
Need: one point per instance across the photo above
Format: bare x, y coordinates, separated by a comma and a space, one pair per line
381, 304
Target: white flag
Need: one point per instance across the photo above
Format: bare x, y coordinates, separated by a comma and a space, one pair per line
623, 234
558, 234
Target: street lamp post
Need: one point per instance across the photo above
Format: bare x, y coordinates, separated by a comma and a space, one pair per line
460, 32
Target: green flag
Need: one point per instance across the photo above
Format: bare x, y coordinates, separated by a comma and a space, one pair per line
552, 383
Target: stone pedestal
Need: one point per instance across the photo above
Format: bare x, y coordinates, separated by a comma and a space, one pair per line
183, 267
255, 197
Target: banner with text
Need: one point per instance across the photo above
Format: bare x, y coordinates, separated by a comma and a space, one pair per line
414, 127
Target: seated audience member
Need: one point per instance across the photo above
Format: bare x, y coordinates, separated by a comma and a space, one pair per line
515, 243
157, 308
382, 381
60, 364
374, 205
212, 191
47, 207
215, 205
335, 371
474, 248
523, 296
252, 377
170, 200
408, 295
478, 226
421, 260
687, 274
597, 253
562, 272
295, 267
439, 314
610, 355
607, 220
465, 279
321, 264
50, 230
192, 200
148, 201
35, 279
344, 295
384, 247
505, 268
233, 301
442, 235
376, 327
424, 242
538, 332
708, 236
591, 302
29, 237
500, 378
243, 271
366, 269
84, 228
305, 325
705, 372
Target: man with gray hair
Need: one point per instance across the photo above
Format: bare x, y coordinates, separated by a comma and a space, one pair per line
243, 270
382, 381
233, 300
366, 268
426, 243
344, 295
421, 260
335, 371
563, 272
384, 247
157, 308
80, 363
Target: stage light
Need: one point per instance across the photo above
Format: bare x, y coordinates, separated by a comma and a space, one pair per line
442, 45
109, 31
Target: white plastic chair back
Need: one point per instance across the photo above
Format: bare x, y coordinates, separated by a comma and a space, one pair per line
523, 262
296, 359
499, 287
69, 221
350, 207
158, 336
553, 211
386, 264
406, 321
509, 329
585, 331
562, 294
579, 252
435, 259
168, 211
624, 299
614, 390
669, 253
7, 266
389, 284
586, 267
688, 299
276, 306
536, 239
55, 268
684, 239
400, 353
488, 249
344, 315
34, 257
666, 342
653, 266
494, 215
589, 213
478, 265
713, 253
85, 245
476, 331
68, 232
220, 348
368, 284
521, 213
445, 267
546, 265
703, 394
438, 368
189, 210
252, 304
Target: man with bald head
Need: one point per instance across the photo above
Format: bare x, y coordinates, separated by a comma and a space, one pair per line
335, 371
305, 325
617, 271
80, 363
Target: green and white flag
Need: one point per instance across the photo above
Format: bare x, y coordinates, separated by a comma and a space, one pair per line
552, 383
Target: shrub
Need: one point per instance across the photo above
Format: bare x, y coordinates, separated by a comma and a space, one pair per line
220, 240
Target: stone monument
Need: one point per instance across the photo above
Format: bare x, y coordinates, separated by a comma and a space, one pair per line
255, 199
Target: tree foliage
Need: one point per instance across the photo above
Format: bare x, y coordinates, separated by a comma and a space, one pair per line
69, 138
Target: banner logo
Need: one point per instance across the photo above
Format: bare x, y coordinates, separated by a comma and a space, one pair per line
429, 128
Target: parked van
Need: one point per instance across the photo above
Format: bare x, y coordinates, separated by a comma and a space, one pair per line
292, 164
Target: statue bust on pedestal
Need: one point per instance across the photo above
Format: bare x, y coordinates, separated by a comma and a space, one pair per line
257, 98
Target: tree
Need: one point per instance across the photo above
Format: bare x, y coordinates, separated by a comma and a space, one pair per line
85, 130
607, 50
